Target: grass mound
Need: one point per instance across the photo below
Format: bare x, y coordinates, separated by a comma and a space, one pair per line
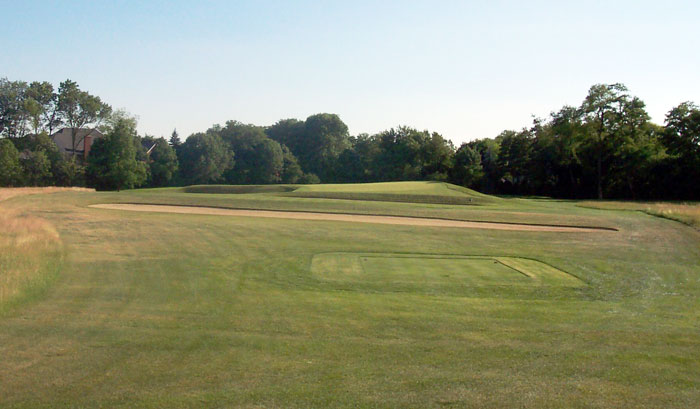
405, 192
407, 188
238, 189
387, 197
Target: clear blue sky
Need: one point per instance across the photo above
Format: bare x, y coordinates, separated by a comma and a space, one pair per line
467, 69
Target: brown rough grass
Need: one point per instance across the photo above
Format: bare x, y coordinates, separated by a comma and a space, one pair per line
8, 192
30, 248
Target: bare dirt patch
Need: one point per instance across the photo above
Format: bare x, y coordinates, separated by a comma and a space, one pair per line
344, 217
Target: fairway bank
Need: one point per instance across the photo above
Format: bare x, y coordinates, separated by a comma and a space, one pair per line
343, 217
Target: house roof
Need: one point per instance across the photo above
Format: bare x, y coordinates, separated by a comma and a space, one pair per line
148, 145
64, 138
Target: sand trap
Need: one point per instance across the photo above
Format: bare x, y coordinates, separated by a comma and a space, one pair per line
342, 217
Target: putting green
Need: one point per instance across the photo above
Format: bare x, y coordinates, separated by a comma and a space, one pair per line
426, 269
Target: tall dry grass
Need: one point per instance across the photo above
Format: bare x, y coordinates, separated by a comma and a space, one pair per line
687, 213
31, 253
8, 192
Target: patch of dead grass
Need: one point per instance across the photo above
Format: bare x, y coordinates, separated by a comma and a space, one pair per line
8, 192
30, 251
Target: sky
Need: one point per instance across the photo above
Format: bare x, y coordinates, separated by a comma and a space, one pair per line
465, 69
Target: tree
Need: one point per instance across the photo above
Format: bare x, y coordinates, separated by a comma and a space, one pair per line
259, 159
682, 133
488, 149
112, 163
10, 169
79, 109
467, 169
557, 167
612, 116
399, 154
309, 179
175, 141
681, 137
36, 168
286, 132
204, 157
39, 148
291, 171
12, 113
349, 167
163, 162
437, 155
316, 142
325, 137
634, 162
514, 159
69, 172
41, 107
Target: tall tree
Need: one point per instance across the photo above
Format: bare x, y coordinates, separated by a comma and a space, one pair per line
112, 163
175, 141
79, 109
682, 134
287, 132
467, 169
41, 107
514, 159
36, 168
204, 157
612, 116
259, 159
488, 149
10, 169
38, 147
316, 142
291, 171
12, 112
681, 137
437, 155
556, 149
399, 156
163, 163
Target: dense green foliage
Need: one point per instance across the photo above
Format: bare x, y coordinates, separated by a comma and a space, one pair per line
259, 159
163, 162
204, 157
112, 164
604, 148
9, 164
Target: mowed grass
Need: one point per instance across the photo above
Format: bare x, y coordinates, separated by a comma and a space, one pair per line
179, 311
429, 271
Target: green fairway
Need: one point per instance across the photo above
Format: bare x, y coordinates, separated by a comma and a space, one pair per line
162, 310
429, 271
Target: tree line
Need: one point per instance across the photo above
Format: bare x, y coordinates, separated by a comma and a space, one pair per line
606, 147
